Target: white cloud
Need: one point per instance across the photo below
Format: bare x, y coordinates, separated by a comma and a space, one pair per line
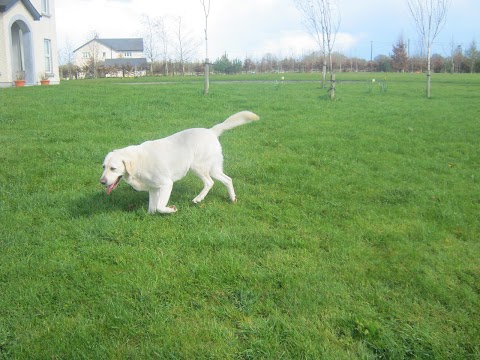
289, 44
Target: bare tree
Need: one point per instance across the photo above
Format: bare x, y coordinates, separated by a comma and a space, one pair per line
66, 59
322, 20
449, 53
94, 52
149, 33
429, 17
185, 44
164, 35
206, 11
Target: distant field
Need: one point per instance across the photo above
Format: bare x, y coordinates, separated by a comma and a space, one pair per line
356, 233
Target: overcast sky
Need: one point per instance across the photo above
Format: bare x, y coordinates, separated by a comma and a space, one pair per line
252, 28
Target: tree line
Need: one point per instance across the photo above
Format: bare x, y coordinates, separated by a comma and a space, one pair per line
459, 60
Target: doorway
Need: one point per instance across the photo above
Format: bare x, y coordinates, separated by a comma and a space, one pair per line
22, 52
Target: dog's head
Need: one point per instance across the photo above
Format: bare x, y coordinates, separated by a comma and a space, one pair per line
115, 166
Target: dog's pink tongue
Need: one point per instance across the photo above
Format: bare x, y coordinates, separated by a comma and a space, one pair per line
110, 188
113, 186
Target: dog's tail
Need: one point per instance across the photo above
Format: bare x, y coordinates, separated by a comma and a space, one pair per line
243, 117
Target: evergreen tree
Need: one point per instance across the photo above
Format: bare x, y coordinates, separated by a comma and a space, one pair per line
226, 66
400, 56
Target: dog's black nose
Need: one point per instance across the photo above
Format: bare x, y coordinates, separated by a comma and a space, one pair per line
103, 181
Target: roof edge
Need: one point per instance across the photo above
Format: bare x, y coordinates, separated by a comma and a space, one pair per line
28, 5
106, 42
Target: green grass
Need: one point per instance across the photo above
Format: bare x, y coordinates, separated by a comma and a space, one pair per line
356, 233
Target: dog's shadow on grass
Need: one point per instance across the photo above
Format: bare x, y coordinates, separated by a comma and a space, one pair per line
123, 199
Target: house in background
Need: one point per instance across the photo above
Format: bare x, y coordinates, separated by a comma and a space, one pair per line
28, 41
119, 57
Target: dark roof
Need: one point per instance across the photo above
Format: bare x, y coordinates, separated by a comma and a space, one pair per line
123, 44
135, 44
126, 62
5, 5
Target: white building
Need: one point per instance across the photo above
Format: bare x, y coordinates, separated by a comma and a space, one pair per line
116, 54
28, 41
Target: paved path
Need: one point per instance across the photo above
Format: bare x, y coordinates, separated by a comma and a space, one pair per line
222, 82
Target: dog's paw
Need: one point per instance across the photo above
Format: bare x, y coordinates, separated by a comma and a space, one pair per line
168, 210
234, 200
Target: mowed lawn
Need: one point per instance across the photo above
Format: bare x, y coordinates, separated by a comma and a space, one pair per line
355, 234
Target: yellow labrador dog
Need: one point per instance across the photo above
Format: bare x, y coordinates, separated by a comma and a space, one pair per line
155, 165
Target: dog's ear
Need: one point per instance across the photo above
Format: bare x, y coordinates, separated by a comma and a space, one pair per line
129, 166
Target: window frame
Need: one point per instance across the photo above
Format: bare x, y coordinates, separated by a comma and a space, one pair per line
46, 7
47, 50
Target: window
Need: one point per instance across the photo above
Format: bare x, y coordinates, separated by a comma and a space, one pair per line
86, 55
47, 45
45, 7
127, 54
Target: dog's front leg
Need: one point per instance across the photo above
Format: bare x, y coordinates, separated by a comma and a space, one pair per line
153, 200
158, 200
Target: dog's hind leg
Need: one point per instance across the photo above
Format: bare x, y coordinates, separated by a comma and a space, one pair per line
227, 181
207, 185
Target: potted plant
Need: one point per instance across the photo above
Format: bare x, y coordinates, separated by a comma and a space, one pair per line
44, 80
20, 79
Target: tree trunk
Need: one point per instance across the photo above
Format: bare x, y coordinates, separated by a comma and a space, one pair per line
332, 86
207, 81
332, 77
324, 72
206, 11
429, 74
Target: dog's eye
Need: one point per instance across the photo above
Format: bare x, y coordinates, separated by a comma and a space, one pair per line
113, 169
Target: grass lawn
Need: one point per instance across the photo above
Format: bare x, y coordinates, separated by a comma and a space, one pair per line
356, 233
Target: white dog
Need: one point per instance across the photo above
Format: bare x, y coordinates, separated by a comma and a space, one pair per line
155, 165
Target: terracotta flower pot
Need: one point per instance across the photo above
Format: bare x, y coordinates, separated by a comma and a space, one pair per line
45, 82
19, 83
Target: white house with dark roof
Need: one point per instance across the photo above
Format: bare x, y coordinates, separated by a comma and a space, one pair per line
28, 41
113, 53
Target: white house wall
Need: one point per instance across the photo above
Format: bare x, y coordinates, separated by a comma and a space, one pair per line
4, 53
103, 53
34, 53
46, 29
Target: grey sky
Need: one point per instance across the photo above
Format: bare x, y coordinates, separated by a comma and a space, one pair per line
256, 27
